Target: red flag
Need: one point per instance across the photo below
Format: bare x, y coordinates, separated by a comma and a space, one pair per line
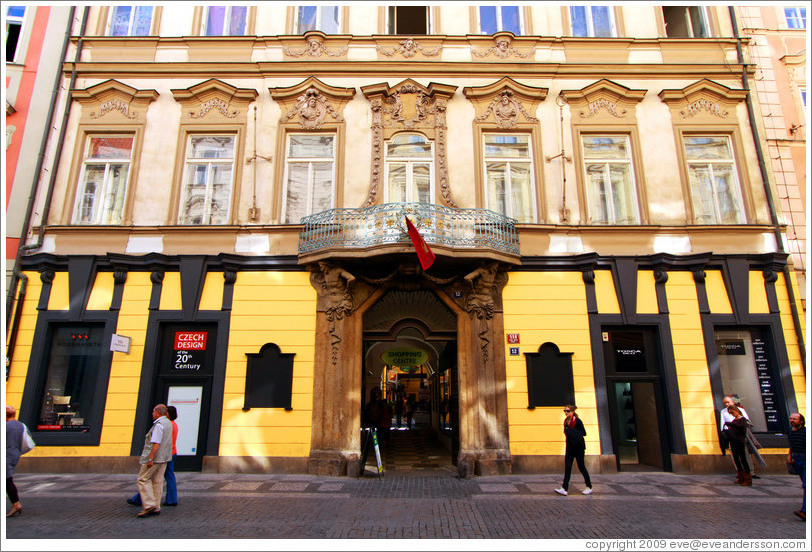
425, 254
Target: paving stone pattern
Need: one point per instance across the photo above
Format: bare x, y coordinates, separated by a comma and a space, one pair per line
395, 506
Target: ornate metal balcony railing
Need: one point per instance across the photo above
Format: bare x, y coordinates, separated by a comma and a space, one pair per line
386, 224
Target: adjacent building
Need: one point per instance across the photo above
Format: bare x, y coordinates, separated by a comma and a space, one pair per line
226, 231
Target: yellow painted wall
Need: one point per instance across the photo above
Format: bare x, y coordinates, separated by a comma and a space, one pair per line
18, 369
788, 325
646, 293
758, 293
60, 294
280, 308
693, 378
170, 292
542, 307
606, 295
212, 296
718, 299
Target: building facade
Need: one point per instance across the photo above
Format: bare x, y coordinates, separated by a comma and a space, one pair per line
227, 233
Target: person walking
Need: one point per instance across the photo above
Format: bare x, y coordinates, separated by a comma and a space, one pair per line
156, 454
751, 444
737, 435
574, 433
797, 454
169, 474
14, 438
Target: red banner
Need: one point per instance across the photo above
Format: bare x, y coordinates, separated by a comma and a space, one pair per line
190, 341
425, 254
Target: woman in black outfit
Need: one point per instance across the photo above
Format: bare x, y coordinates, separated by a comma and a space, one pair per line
738, 445
576, 447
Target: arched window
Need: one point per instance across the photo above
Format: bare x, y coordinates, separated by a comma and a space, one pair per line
409, 169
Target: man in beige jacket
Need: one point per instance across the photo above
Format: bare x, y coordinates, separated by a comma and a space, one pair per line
157, 452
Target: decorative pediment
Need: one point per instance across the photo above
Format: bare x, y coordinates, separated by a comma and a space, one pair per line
409, 106
311, 103
505, 102
114, 101
214, 100
604, 100
703, 99
316, 44
502, 48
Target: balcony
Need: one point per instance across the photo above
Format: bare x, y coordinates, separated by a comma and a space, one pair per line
381, 230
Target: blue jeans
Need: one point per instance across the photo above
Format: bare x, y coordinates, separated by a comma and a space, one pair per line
799, 460
171, 485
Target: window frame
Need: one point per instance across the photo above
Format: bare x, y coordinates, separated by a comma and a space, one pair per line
740, 199
705, 21
530, 159
204, 20
499, 22
185, 163
319, 18
84, 160
614, 29
390, 19
311, 184
797, 16
410, 161
21, 21
588, 190
111, 15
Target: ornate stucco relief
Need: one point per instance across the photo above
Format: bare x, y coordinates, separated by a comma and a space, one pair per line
505, 109
216, 104
503, 49
703, 104
113, 105
315, 48
311, 108
409, 47
610, 106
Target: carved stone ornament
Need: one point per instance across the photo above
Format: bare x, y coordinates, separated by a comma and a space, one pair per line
505, 109
216, 104
409, 106
113, 105
481, 300
312, 107
335, 300
409, 47
610, 107
503, 49
703, 104
315, 48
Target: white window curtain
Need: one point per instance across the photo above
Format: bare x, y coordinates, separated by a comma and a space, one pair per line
610, 185
130, 20
326, 19
309, 175
493, 19
103, 180
509, 179
596, 21
225, 20
208, 180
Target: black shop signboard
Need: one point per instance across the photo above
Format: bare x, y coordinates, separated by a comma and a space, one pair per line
188, 349
766, 383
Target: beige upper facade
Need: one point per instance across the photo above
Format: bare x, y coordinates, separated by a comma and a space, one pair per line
592, 143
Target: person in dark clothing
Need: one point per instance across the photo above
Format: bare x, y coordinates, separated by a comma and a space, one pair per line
797, 454
737, 433
576, 447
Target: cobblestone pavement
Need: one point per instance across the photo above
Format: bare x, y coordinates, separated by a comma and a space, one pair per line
434, 506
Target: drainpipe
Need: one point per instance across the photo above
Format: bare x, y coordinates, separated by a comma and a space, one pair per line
765, 178
16, 274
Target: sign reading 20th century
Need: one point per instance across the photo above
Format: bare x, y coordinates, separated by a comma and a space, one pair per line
190, 350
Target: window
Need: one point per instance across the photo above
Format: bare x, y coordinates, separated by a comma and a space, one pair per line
103, 180
326, 19
685, 22
14, 26
409, 169
509, 176
408, 20
493, 19
67, 399
131, 21
208, 179
225, 20
592, 21
609, 177
309, 175
712, 177
796, 18
745, 367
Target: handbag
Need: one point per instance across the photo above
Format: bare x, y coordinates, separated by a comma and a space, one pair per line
791, 468
27, 444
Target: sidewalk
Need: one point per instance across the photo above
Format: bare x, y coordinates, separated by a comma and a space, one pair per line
230, 506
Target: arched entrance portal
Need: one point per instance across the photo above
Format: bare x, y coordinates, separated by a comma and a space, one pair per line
410, 358
350, 293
